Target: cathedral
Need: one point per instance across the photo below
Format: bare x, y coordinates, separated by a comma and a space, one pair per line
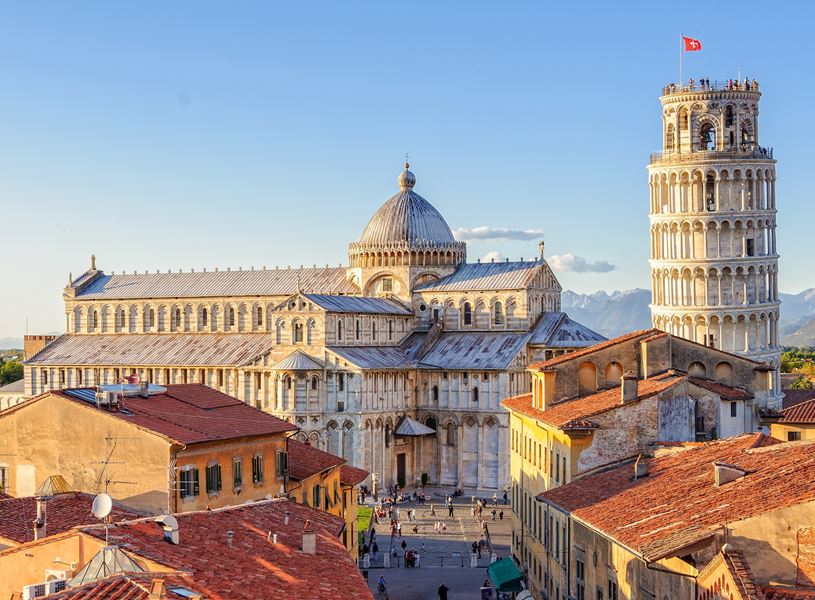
397, 362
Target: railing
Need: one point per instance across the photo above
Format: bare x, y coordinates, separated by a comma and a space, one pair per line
747, 152
706, 85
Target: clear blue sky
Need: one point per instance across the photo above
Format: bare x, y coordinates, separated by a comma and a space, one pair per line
175, 135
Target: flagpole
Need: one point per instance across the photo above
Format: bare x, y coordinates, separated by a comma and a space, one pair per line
680, 61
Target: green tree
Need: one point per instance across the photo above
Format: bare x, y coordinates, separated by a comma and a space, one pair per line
10, 371
802, 383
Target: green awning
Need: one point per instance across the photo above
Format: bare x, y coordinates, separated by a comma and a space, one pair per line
505, 575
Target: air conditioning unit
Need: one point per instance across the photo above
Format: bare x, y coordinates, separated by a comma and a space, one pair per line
38, 590
107, 398
58, 575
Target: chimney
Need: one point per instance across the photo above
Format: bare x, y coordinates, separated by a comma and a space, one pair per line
40, 521
170, 526
629, 388
229, 536
545, 388
143, 389
309, 542
157, 590
724, 473
640, 467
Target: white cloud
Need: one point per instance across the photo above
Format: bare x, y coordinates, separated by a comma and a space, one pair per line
492, 257
496, 234
578, 264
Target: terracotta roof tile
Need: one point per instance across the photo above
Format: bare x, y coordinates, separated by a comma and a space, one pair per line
62, 513
188, 413
677, 504
129, 586
352, 475
628, 337
802, 413
727, 392
783, 593
305, 460
575, 413
252, 566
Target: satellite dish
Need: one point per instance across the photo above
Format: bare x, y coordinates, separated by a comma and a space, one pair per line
102, 505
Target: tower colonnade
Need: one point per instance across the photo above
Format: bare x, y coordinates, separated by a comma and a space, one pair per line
713, 247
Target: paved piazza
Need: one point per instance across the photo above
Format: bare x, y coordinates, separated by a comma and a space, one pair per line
448, 549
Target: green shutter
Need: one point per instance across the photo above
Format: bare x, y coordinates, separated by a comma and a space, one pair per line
182, 483
195, 486
218, 480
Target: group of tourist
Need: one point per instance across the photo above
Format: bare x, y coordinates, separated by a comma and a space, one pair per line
746, 84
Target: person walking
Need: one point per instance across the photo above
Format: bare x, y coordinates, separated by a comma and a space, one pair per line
500, 515
450, 509
374, 550
505, 497
381, 584
432, 510
443, 589
494, 498
399, 528
493, 513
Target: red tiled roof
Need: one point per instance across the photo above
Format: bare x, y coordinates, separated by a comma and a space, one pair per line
63, 512
634, 335
305, 460
793, 397
252, 566
574, 413
677, 504
784, 593
192, 413
799, 413
4, 496
131, 586
352, 475
727, 392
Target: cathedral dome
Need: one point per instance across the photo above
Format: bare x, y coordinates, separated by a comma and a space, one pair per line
407, 218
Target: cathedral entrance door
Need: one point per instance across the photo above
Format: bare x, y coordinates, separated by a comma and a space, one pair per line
400, 469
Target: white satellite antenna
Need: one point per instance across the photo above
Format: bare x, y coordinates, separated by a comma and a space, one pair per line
102, 505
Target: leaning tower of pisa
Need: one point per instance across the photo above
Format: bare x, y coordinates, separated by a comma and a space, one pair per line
714, 264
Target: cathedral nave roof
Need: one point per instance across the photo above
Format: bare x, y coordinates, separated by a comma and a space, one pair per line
474, 351
182, 349
486, 276
557, 330
263, 282
357, 304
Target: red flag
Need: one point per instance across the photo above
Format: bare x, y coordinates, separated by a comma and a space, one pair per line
692, 45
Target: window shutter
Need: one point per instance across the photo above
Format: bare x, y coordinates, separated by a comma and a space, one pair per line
195, 485
218, 480
182, 481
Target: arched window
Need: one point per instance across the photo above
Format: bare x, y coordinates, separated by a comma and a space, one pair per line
121, 318
310, 332
287, 382
587, 378
373, 330
260, 316
451, 434
177, 318
669, 137
498, 314
430, 422
387, 435
314, 382
707, 137
475, 394
614, 373
298, 333
435, 393
339, 329
95, 319
468, 314
697, 369
204, 316
152, 318
230, 316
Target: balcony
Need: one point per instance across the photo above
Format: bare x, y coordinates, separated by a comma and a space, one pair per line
740, 153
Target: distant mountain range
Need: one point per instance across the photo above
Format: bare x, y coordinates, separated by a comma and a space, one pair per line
616, 313
619, 312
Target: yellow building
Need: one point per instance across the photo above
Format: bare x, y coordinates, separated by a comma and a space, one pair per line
595, 407
323, 481
796, 423
646, 530
179, 448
